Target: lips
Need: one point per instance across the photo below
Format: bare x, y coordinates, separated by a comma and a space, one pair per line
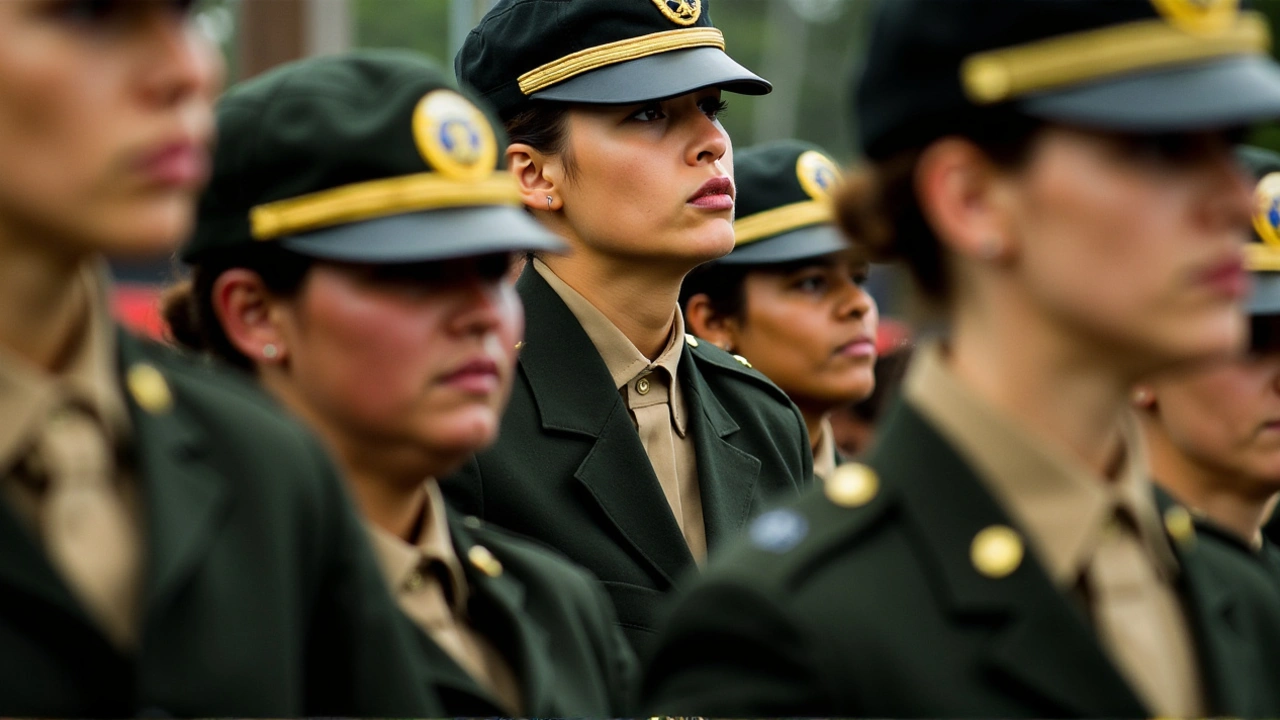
479, 376
862, 346
180, 163
715, 194
1227, 278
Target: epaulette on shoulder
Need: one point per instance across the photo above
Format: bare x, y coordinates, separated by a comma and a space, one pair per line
849, 503
710, 355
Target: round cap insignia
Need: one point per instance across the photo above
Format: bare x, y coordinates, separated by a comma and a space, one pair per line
1199, 17
680, 12
996, 551
1266, 208
818, 174
454, 137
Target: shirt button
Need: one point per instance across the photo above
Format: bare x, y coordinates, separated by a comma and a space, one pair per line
642, 386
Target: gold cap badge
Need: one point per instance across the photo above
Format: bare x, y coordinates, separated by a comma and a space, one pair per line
852, 485
996, 551
1180, 525
818, 174
149, 389
454, 137
1199, 17
680, 12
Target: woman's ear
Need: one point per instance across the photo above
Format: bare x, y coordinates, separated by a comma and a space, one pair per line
702, 320
244, 308
963, 195
537, 175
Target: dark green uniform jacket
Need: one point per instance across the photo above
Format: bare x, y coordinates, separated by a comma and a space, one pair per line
550, 620
1267, 557
261, 596
569, 469
878, 611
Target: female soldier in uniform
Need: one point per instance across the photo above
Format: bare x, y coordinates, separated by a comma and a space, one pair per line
350, 252
790, 297
170, 544
1214, 431
628, 446
1059, 175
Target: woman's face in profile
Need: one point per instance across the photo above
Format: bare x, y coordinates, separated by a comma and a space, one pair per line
106, 114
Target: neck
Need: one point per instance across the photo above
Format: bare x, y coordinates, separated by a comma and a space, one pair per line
42, 307
813, 423
1220, 494
1041, 379
639, 299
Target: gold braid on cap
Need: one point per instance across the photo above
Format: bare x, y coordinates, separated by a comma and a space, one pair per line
594, 58
781, 219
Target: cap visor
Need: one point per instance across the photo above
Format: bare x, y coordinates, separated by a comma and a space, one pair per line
429, 235
658, 76
806, 242
1265, 299
1223, 93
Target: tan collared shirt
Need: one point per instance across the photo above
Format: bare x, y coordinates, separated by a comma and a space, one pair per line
656, 402
427, 580
1089, 533
824, 453
36, 410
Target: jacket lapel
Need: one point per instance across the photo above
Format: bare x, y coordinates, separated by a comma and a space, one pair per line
1037, 640
497, 605
184, 496
568, 381
727, 474
25, 571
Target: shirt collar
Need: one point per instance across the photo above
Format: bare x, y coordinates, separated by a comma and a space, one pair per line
91, 378
624, 361
399, 559
1061, 504
824, 453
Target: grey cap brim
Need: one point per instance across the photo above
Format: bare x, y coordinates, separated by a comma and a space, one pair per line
1265, 299
428, 235
1222, 93
658, 76
806, 242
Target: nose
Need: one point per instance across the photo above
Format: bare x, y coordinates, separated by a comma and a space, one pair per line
710, 142
180, 64
1230, 203
478, 305
855, 302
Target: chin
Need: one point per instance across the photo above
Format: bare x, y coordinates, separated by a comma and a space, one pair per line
150, 233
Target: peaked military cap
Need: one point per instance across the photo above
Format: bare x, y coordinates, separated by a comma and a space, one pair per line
1262, 255
365, 157
1124, 65
783, 207
597, 51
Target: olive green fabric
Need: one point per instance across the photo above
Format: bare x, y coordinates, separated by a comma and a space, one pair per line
877, 611
1266, 557
569, 470
553, 623
261, 598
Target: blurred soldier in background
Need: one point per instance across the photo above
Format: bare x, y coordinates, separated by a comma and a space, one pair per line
169, 542
1060, 176
790, 296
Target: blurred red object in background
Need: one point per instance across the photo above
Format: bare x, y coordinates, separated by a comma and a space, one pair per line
137, 307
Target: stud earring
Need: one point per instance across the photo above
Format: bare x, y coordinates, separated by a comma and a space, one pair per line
548, 202
270, 351
1142, 397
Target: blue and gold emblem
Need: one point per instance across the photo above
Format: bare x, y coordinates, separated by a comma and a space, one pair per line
818, 174
1266, 209
680, 12
454, 137
1199, 17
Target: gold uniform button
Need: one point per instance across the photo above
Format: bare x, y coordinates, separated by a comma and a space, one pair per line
149, 389
642, 386
484, 561
852, 485
472, 522
691, 340
997, 551
519, 346
414, 582
742, 361
1180, 525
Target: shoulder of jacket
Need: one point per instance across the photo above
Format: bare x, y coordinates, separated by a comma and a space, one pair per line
526, 551
783, 545
721, 362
